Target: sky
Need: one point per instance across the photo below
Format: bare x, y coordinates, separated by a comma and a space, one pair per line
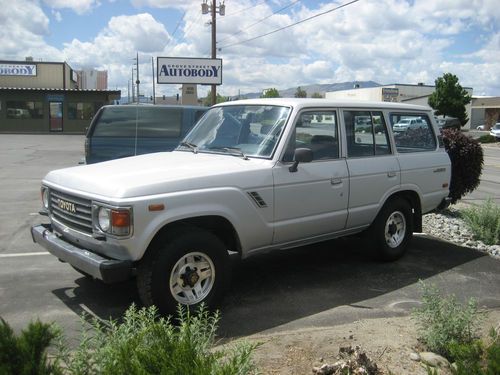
386, 41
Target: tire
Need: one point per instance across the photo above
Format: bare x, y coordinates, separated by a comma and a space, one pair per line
393, 229
191, 268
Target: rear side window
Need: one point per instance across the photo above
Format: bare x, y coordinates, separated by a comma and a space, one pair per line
125, 121
412, 132
366, 133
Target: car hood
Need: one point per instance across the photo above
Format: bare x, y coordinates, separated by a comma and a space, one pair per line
160, 173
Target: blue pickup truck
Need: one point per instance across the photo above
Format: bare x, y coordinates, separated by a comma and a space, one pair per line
118, 131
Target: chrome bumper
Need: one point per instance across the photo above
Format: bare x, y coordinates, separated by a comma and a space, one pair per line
107, 270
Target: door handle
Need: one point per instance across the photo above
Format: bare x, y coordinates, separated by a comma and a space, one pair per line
391, 174
335, 181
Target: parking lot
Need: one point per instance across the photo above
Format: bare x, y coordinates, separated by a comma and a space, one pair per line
322, 285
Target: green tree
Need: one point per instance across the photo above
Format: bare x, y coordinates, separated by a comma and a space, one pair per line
270, 93
300, 93
316, 95
207, 101
449, 98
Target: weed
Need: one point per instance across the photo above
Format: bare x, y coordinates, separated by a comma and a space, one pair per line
145, 343
484, 221
442, 321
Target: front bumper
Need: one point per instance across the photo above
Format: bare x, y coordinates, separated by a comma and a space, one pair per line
107, 270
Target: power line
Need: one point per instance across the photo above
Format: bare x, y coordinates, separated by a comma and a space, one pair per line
288, 26
243, 10
261, 20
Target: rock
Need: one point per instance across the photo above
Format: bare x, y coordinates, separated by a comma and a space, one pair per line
414, 356
434, 360
325, 369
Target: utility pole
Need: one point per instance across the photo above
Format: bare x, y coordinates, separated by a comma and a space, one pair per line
137, 82
214, 9
132, 83
153, 71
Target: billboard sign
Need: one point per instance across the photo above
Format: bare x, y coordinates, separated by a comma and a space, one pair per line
17, 70
390, 94
189, 70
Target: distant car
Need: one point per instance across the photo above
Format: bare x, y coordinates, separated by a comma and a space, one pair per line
481, 127
448, 123
495, 131
119, 131
409, 123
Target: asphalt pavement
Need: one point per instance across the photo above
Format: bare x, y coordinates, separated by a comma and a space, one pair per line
326, 284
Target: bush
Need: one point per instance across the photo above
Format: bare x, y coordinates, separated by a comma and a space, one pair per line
487, 138
476, 358
27, 353
145, 343
484, 221
466, 157
442, 321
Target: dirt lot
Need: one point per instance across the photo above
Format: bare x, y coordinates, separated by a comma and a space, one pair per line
387, 341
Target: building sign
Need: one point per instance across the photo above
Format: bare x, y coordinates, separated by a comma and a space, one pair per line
74, 76
390, 94
17, 70
189, 70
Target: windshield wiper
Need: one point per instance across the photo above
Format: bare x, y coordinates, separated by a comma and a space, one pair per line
231, 150
191, 146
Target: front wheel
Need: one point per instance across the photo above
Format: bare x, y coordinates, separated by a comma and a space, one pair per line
393, 229
191, 268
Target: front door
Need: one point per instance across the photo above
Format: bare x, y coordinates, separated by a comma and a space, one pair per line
56, 116
312, 201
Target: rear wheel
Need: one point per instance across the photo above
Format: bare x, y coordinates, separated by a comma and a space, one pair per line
190, 269
393, 229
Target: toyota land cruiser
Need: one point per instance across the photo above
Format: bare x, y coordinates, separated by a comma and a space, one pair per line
251, 176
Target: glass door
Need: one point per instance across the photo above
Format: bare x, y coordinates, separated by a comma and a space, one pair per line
56, 116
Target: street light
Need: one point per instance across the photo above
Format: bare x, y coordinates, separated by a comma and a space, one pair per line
213, 8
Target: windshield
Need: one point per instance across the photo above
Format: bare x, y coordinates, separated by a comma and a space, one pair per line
247, 130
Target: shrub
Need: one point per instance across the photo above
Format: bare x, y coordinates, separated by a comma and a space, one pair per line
484, 221
27, 353
487, 138
466, 157
476, 358
442, 321
145, 343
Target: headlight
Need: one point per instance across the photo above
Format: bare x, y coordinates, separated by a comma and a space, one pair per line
45, 198
115, 221
104, 219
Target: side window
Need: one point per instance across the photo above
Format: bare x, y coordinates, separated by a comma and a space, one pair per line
366, 133
318, 131
412, 132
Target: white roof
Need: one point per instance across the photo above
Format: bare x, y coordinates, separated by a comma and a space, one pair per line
309, 102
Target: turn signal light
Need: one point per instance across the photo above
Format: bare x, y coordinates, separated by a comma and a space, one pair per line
120, 219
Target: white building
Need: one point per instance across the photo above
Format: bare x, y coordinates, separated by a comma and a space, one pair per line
411, 94
92, 79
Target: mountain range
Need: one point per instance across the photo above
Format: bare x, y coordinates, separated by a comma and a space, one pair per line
317, 88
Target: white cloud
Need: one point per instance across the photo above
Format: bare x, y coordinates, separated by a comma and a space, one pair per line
57, 15
78, 6
382, 40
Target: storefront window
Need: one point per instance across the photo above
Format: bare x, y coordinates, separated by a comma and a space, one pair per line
81, 110
24, 110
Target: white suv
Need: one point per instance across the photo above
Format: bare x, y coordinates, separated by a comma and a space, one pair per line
252, 176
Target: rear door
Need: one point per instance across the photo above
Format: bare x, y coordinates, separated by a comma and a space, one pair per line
424, 166
373, 168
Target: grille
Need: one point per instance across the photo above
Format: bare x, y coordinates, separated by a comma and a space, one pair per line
74, 212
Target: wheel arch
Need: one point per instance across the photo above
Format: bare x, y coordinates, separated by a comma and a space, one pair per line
413, 199
221, 227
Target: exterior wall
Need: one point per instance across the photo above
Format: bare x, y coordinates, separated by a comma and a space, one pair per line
478, 117
75, 117
48, 75
372, 93
91, 79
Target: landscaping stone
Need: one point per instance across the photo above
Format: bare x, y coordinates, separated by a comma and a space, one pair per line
434, 360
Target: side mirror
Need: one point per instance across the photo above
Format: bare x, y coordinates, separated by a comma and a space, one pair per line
301, 155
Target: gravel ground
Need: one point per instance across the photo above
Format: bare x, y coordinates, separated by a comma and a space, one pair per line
448, 226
